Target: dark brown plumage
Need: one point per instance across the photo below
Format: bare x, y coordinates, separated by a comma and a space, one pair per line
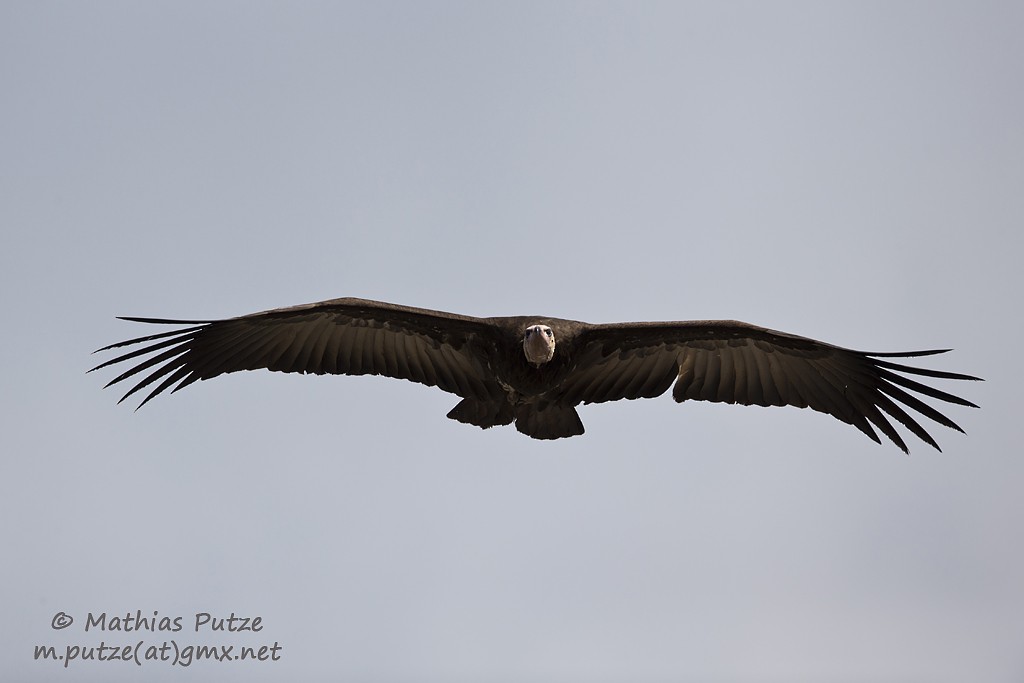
484, 361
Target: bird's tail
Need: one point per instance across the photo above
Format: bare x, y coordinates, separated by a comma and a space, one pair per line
550, 422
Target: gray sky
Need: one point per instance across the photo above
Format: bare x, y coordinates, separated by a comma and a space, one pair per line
850, 172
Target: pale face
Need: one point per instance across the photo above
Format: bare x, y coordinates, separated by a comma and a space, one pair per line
538, 344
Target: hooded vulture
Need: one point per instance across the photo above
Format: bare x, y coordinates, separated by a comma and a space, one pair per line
535, 370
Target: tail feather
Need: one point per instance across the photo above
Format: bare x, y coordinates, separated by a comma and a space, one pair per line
551, 422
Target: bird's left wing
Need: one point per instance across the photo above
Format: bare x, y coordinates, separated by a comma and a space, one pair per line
733, 362
340, 336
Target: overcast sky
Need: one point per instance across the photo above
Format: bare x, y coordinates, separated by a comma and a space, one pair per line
852, 172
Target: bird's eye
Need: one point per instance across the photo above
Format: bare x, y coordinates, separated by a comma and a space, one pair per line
547, 332
528, 331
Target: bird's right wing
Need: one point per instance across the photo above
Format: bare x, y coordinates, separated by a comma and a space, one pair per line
340, 336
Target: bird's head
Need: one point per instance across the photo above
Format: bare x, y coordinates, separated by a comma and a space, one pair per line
538, 344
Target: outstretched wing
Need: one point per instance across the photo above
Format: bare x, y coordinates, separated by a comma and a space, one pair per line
341, 336
734, 362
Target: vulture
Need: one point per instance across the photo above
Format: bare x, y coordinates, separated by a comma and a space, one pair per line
534, 370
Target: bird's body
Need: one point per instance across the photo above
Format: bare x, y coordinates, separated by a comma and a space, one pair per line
534, 370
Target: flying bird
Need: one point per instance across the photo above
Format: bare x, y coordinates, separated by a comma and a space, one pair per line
535, 370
